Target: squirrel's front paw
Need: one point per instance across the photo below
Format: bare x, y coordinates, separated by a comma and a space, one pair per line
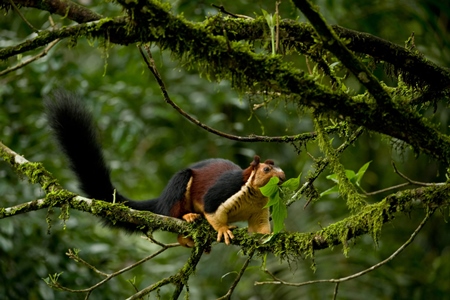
191, 217
225, 232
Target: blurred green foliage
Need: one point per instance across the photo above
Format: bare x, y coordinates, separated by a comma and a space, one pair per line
146, 141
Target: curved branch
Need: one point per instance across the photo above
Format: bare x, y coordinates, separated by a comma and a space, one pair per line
16, 9
73, 255
178, 279
67, 8
353, 276
302, 137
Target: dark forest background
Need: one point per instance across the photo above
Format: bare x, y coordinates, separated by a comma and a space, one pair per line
146, 141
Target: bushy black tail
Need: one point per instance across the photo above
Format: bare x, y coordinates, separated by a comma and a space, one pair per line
75, 132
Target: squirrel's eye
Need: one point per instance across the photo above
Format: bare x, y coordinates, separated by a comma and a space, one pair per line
266, 169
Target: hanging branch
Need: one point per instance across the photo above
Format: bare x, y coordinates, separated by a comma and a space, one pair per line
356, 275
52, 282
408, 183
347, 190
238, 277
302, 137
178, 279
16, 9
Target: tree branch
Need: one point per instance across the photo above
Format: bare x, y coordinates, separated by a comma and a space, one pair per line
212, 54
238, 278
73, 255
28, 61
247, 68
419, 70
302, 137
67, 8
359, 274
332, 42
284, 245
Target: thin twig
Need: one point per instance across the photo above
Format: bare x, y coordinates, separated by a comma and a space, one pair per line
335, 292
323, 165
151, 238
409, 182
359, 274
238, 278
36, 57
413, 181
22, 16
387, 189
222, 9
109, 276
72, 255
150, 62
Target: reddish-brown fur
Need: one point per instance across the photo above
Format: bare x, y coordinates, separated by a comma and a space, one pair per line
202, 179
191, 206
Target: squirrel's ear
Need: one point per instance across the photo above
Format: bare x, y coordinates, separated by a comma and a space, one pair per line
255, 161
269, 162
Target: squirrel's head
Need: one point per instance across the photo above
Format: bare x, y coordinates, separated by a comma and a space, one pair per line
260, 173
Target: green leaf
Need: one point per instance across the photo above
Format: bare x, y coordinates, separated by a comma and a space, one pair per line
354, 178
226, 274
361, 172
333, 177
273, 200
268, 18
271, 21
292, 183
279, 214
334, 189
279, 209
349, 173
271, 188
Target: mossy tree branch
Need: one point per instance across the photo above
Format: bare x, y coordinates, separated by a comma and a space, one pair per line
212, 54
285, 245
221, 59
419, 71
334, 44
347, 190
